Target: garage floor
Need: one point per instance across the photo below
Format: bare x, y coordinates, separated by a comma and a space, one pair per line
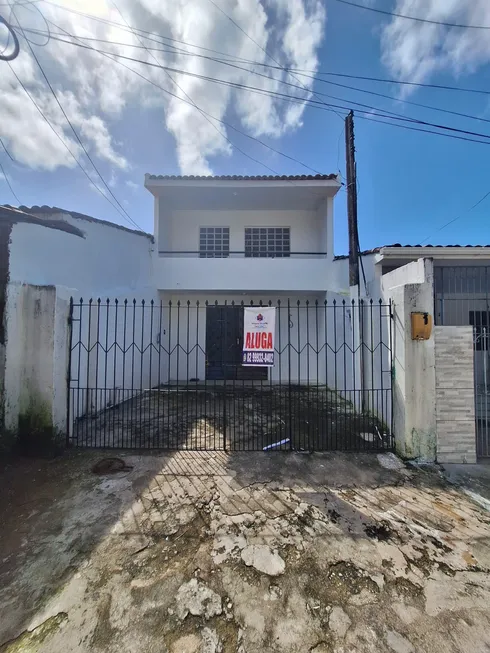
240, 553
237, 417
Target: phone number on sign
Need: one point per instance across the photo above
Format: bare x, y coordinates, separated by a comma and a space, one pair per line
258, 358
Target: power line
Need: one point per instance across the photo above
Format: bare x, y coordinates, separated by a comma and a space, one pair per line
382, 113
419, 129
150, 36
264, 50
113, 57
404, 82
419, 20
229, 63
9, 184
198, 108
6, 151
461, 215
63, 142
76, 133
15, 52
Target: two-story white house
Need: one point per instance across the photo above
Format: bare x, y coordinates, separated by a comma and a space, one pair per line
232, 239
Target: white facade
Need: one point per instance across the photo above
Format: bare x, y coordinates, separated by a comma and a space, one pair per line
101, 258
305, 207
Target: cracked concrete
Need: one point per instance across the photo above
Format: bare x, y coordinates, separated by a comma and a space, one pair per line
244, 553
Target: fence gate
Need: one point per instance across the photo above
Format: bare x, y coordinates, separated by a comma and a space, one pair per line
482, 391
169, 375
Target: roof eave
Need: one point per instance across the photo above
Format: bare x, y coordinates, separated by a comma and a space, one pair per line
330, 181
454, 253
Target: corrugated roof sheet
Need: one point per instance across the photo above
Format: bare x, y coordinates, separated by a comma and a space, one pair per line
246, 177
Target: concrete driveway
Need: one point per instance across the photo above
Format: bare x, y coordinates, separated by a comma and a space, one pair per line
245, 553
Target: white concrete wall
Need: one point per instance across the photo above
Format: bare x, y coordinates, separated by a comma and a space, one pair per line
245, 274
46, 267
311, 231
179, 230
414, 416
105, 260
36, 365
184, 331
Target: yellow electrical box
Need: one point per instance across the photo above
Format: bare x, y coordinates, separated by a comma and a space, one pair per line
421, 326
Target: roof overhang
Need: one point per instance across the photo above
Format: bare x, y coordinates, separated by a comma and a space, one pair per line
395, 254
242, 193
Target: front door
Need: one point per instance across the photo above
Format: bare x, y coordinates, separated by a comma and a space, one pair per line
224, 343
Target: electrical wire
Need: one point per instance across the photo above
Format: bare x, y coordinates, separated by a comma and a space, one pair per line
64, 142
6, 151
30, 4
461, 215
199, 109
9, 184
151, 36
415, 18
76, 134
179, 51
379, 112
419, 129
113, 57
264, 50
15, 53
282, 96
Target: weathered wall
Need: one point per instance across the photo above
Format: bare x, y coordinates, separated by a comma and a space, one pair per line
5, 229
414, 418
105, 259
43, 266
30, 383
455, 399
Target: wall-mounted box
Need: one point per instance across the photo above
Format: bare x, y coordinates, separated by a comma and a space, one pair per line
421, 326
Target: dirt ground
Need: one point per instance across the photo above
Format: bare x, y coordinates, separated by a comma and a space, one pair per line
237, 417
202, 552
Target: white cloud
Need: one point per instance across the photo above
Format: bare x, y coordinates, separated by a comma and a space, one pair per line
415, 51
95, 90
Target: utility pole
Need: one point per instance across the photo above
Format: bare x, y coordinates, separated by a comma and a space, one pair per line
350, 156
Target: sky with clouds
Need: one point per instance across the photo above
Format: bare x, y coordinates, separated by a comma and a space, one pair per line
135, 117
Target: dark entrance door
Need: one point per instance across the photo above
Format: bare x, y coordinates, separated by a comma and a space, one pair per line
224, 343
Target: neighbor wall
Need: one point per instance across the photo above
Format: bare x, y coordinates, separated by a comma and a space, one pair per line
413, 373
455, 394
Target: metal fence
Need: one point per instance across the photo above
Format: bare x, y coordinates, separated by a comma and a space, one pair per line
169, 375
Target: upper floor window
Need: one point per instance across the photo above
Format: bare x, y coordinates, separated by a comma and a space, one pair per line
214, 242
263, 242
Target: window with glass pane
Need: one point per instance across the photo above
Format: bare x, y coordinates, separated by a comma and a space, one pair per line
214, 242
267, 242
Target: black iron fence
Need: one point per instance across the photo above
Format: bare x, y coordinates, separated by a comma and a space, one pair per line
170, 375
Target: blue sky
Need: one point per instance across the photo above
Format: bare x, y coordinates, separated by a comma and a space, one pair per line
410, 184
